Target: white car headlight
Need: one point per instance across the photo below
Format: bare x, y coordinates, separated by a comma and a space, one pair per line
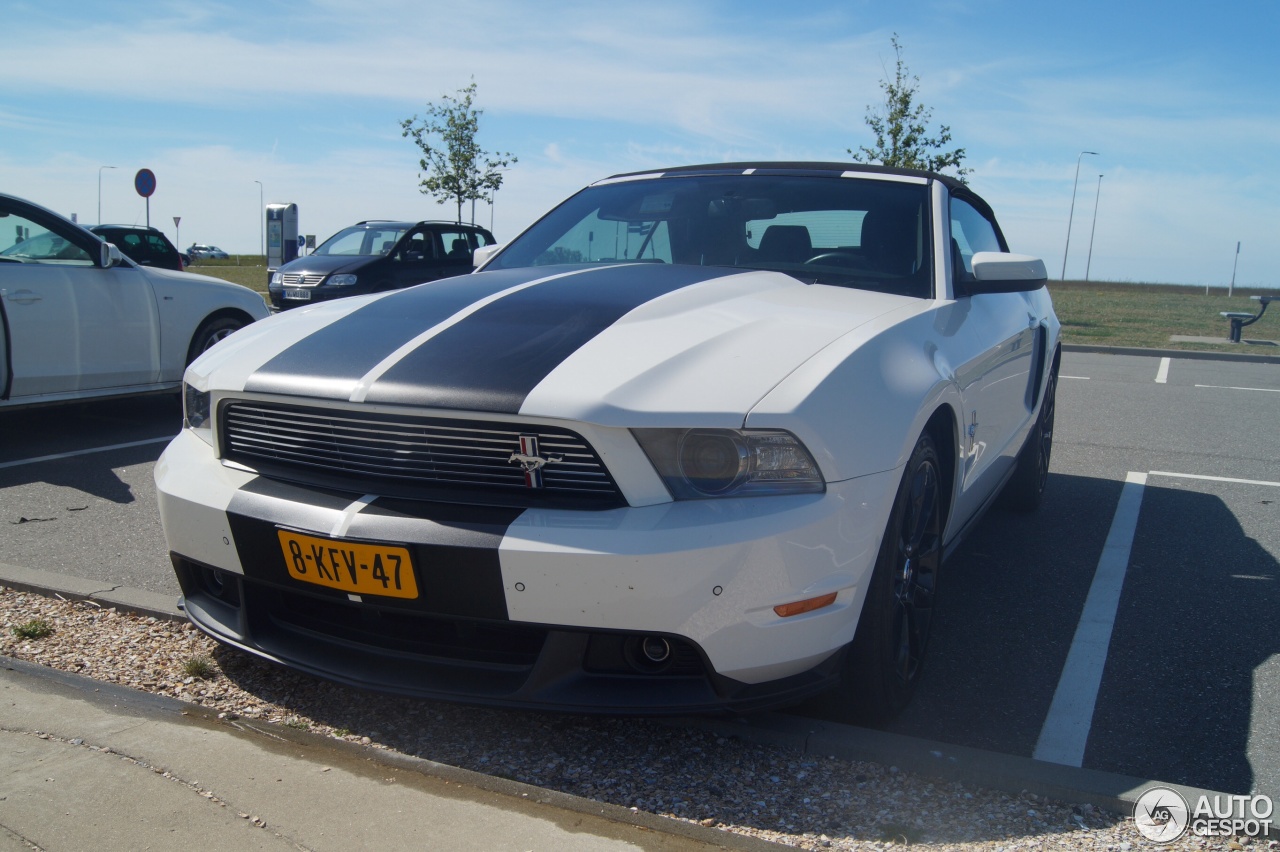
700, 463
277, 279
341, 280
197, 412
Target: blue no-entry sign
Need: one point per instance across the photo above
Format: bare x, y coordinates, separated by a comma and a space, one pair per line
145, 182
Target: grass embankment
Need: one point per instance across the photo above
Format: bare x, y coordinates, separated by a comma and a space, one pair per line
1093, 312
1146, 315
249, 270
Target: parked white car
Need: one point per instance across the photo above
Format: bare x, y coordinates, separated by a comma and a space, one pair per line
696, 440
78, 320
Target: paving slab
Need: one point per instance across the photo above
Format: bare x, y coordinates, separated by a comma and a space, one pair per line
85, 765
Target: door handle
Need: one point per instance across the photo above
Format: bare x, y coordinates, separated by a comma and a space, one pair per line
23, 297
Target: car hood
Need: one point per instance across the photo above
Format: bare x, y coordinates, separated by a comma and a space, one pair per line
625, 345
324, 264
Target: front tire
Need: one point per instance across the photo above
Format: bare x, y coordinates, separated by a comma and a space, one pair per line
883, 665
210, 332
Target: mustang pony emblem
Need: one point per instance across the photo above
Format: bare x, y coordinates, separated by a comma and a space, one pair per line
531, 462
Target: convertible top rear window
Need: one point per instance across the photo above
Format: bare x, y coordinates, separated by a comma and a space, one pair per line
862, 233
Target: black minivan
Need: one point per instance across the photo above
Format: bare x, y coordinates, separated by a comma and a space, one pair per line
377, 255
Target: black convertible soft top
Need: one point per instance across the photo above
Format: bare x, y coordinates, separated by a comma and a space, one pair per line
771, 167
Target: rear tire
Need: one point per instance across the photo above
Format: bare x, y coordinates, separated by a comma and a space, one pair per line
883, 664
1024, 491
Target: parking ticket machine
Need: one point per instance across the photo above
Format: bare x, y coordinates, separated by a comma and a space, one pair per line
282, 235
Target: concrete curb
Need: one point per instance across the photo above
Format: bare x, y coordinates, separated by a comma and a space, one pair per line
1187, 354
992, 770
123, 598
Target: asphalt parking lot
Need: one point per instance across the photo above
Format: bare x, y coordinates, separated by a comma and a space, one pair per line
1129, 626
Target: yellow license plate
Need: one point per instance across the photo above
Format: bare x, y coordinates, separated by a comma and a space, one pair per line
352, 566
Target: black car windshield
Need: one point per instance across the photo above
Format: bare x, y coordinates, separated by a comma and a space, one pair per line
362, 241
850, 232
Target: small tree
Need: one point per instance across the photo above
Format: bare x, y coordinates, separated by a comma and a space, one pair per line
901, 126
455, 169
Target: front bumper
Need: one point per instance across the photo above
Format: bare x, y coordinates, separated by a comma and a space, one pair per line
320, 293
536, 607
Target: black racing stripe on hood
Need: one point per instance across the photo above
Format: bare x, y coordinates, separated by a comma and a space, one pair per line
330, 361
492, 359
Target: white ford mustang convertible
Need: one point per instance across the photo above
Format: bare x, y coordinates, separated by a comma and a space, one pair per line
697, 440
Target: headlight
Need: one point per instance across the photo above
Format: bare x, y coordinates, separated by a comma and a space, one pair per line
701, 463
276, 279
196, 412
341, 280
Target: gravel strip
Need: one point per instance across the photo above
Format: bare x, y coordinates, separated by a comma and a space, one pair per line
768, 792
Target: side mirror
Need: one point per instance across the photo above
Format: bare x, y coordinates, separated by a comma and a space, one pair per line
110, 256
1000, 272
482, 255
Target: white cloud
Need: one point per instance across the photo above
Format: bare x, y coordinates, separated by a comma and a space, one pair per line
307, 99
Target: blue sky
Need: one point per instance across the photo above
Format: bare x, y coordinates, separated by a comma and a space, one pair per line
1180, 99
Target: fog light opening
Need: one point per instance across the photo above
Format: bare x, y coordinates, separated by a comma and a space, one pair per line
648, 654
655, 649
218, 584
213, 582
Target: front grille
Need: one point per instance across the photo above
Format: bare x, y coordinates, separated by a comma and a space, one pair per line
295, 279
413, 456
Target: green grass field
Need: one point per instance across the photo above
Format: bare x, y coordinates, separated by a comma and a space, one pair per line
1146, 315
1099, 313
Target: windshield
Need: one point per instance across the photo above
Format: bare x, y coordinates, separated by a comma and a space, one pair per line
362, 241
850, 232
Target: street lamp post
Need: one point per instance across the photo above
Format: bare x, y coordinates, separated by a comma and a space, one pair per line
100, 168
1089, 262
262, 215
1073, 210
1232, 288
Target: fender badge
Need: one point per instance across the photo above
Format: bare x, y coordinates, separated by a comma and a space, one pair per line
531, 462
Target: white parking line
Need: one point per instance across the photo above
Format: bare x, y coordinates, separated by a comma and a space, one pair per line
1162, 375
1077, 378
1214, 478
1066, 728
1224, 387
56, 456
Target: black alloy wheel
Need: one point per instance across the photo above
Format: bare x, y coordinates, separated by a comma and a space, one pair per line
1025, 490
884, 662
1044, 432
